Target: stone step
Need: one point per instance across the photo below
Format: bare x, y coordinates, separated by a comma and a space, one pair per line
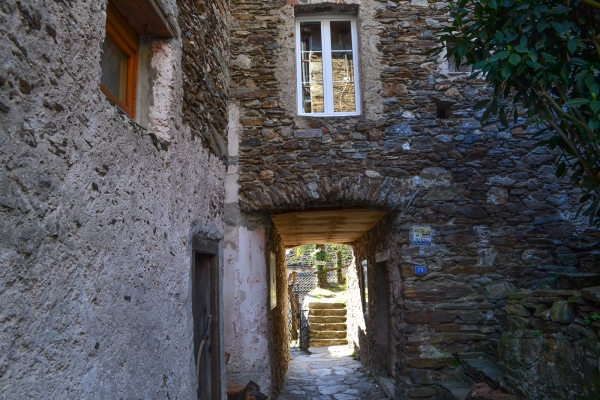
327, 312
458, 390
328, 334
326, 319
327, 327
480, 368
322, 306
327, 342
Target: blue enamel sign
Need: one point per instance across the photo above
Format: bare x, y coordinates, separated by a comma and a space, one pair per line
420, 269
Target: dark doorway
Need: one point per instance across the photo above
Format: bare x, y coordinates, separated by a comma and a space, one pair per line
385, 344
205, 304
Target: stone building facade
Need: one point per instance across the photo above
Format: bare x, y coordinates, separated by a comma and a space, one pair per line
98, 210
103, 215
508, 245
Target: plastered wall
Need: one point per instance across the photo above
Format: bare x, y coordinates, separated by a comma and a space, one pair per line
97, 213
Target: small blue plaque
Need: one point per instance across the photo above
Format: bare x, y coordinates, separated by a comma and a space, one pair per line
420, 269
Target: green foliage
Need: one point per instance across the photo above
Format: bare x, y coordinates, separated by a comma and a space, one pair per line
573, 299
301, 252
592, 318
321, 255
538, 332
304, 253
543, 57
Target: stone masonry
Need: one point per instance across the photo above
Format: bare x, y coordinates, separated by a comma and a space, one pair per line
502, 222
98, 211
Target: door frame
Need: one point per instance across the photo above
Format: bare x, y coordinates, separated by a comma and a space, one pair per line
213, 249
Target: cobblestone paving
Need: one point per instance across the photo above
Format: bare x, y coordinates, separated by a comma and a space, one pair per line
329, 373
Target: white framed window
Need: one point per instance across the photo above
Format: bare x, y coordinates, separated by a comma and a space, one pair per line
327, 71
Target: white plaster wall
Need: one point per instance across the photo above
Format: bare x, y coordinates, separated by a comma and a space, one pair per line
246, 283
246, 290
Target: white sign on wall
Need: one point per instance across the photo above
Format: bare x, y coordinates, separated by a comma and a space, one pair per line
421, 234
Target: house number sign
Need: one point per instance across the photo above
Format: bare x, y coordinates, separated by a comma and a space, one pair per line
420, 269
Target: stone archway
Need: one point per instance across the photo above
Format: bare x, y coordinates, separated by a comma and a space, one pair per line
378, 192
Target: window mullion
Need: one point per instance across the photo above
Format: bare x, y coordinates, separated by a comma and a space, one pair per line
299, 69
354, 32
327, 67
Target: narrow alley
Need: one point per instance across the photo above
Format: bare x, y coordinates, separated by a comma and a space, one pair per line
328, 373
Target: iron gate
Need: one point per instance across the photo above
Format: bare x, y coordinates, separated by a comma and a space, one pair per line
298, 322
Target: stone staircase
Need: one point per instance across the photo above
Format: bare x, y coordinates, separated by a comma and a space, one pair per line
327, 323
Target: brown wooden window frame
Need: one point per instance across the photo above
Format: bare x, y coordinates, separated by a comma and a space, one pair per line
119, 30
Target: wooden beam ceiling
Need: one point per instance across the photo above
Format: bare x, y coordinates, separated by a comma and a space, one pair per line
325, 226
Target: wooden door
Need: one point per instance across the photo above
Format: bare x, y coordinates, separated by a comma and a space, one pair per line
385, 336
205, 304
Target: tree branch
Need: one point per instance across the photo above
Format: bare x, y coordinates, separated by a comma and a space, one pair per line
591, 3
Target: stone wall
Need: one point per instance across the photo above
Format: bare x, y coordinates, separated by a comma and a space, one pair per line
205, 46
279, 335
501, 219
96, 214
367, 247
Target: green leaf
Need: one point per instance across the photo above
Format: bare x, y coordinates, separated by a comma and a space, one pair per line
560, 171
521, 49
480, 64
595, 106
533, 64
579, 61
502, 116
514, 59
511, 36
589, 80
548, 57
594, 89
594, 123
572, 45
499, 56
523, 41
542, 24
559, 10
575, 102
491, 110
560, 28
540, 41
492, 4
506, 71
480, 104
581, 75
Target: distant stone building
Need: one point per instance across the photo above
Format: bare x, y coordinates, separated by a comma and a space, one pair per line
159, 156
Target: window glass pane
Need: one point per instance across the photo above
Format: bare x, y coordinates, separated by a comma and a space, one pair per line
342, 64
344, 99
341, 35
312, 67
114, 69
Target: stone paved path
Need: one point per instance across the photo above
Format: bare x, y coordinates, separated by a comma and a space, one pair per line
329, 373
